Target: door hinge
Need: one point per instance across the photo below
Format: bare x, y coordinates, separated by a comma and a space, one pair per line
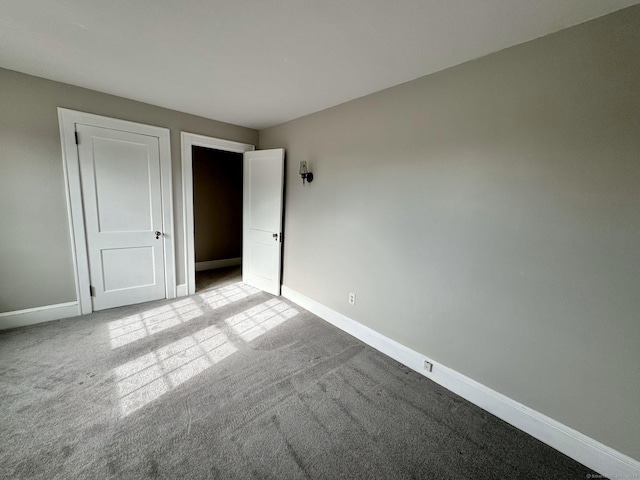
77, 139
92, 290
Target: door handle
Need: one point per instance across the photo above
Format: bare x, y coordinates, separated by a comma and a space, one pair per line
275, 235
157, 233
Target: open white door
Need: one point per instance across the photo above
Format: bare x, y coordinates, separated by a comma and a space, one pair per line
262, 219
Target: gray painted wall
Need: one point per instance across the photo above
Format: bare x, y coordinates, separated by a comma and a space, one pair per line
488, 216
217, 204
35, 247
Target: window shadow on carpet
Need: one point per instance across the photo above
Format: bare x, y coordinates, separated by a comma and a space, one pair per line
150, 376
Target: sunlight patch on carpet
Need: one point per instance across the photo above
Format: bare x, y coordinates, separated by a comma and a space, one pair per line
258, 320
226, 295
141, 325
149, 322
150, 376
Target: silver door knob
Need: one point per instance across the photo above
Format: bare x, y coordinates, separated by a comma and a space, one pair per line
158, 234
275, 235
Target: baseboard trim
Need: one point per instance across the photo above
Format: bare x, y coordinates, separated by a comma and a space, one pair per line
589, 452
213, 264
181, 290
31, 316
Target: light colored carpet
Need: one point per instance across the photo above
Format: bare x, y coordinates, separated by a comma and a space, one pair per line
234, 383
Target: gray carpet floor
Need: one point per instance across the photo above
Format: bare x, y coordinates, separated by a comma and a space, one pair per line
233, 383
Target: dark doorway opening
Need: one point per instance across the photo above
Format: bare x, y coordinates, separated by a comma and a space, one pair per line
217, 212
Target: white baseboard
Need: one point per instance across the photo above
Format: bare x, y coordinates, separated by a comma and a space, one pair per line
181, 290
213, 264
31, 316
591, 453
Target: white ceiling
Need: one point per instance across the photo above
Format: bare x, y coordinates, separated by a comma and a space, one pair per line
258, 63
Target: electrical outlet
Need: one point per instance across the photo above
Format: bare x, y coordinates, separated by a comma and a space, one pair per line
352, 298
428, 366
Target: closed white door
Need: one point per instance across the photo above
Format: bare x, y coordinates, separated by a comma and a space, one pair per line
122, 200
262, 219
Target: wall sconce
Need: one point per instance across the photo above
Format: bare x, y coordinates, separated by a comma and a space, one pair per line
306, 175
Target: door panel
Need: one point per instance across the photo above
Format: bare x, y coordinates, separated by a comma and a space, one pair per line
122, 199
262, 219
127, 267
263, 255
265, 179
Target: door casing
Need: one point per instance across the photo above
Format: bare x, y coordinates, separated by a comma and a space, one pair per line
71, 166
189, 140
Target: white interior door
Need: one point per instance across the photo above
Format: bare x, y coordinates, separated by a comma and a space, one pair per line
122, 200
262, 219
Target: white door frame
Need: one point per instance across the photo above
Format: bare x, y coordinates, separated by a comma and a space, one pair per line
188, 140
71, 166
